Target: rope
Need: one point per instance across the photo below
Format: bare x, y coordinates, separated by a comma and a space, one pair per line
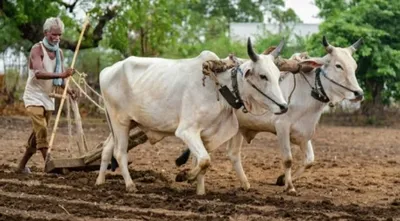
87, 96
87, 85
302, 74
294, 87
69, 126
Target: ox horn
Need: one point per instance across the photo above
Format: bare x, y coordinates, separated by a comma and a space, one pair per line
250, 51
278, 49
327, 46
354, 47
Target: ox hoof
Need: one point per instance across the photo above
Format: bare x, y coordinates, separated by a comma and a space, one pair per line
99, 182
246, 186
281, 180
292, 192
131, 188
182, 176
201, 193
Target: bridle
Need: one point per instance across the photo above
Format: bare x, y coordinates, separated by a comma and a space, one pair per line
318, 91
233, 97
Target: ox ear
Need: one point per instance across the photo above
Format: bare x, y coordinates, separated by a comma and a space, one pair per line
313, 62
247, 71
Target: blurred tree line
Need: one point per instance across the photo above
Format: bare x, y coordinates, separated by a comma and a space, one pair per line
183, 28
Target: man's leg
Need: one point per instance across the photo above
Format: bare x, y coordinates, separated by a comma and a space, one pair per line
29, 152
43, 145
44, 152
39, 119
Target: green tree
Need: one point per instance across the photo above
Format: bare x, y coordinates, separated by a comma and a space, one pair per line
211, 33
153, 27
21, 23
147, 27
236, 11
376, 21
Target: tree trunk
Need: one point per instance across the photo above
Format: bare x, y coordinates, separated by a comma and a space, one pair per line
142, 45
375, 105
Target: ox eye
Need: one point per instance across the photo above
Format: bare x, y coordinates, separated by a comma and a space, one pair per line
339, 66
263, 77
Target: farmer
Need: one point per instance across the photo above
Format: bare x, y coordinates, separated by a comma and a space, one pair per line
46, 72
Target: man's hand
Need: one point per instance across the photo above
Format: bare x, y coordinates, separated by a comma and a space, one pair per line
67, 73
72, 93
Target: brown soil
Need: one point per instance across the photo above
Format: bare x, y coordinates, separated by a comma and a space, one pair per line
356, 177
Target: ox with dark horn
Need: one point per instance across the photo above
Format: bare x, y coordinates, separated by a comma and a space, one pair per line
327, 46
250, 51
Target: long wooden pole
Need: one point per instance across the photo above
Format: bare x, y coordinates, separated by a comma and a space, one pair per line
53, 134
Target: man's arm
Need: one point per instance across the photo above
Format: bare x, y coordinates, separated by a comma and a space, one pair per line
37, 65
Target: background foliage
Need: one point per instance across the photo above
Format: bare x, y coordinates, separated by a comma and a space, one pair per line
183, 28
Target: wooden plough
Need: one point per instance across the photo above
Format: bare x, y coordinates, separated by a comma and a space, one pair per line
91, 160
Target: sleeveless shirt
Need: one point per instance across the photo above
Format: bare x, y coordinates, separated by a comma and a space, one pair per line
37, 91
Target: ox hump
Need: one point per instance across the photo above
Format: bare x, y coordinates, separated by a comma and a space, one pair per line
208, 55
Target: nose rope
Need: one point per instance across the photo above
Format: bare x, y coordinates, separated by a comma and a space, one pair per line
262, 93
338, 84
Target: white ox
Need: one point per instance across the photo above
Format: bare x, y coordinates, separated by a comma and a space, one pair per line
297, 126
165, 97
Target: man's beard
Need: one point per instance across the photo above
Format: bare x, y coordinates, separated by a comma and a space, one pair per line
54, 42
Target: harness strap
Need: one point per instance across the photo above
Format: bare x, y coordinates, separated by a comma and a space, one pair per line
233, 97
336, 83
318, 91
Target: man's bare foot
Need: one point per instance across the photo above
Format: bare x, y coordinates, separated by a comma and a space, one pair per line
25, 170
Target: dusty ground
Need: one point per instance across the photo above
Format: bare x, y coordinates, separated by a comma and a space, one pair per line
356, 177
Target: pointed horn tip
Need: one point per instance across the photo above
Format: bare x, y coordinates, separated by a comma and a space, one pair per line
282, 42
357, 44
249, 44
250, 51
324, 41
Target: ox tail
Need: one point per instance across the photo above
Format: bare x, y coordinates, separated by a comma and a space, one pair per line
114, 163
183, 158
109, 123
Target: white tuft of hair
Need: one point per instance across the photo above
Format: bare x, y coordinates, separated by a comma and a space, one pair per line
51, 22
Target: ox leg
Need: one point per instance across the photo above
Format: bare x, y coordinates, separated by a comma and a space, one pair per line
234, 148
121, 133
106, 155
202, 159
200, 187
284, 143
307, 148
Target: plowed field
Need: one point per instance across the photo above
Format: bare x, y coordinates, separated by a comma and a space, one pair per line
356, 177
